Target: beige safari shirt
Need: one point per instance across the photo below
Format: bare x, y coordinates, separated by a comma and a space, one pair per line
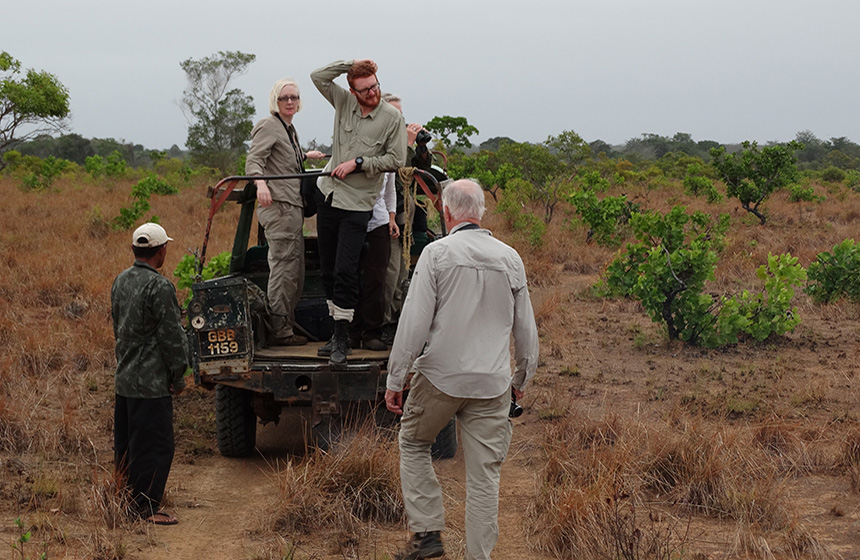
379, 138
467, 297
272, 153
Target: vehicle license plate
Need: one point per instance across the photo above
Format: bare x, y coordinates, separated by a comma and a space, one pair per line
222, 342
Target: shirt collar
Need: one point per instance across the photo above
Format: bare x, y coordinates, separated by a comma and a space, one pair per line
371, 115
465, 225
144, 265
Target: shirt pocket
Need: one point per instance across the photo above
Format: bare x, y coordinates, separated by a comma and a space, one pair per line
345, 131
369, 146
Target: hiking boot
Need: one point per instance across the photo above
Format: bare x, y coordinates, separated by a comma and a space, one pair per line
325, 349
374, 344
422, 545
292, 340
340, 344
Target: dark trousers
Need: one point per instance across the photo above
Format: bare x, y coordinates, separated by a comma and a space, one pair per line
340, 235
373, 266
143, 449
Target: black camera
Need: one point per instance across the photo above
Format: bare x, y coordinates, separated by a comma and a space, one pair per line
516, 410
423, 137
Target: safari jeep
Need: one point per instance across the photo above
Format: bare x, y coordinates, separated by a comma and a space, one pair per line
228, 337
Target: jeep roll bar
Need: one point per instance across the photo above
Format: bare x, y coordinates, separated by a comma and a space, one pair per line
226, 190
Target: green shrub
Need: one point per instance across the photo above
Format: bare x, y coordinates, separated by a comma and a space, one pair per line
39, 175
770, 312
151, 184
12, 159
140, 194
667, 270
833, 175
115, 165
852, 179
696, 183
752, 174
605, 217
95, 166
515, 205
799, 193
186, 271
835, 275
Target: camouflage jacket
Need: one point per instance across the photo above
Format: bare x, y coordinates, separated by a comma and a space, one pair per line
151, 347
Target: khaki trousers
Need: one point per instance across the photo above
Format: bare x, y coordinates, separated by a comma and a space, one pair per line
485, 435
283, 223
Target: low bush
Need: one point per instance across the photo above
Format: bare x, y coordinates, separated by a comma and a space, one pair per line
140, 194
835, 275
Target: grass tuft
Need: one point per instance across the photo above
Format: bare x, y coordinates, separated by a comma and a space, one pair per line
356, 481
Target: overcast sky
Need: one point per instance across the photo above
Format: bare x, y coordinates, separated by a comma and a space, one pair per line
727, 70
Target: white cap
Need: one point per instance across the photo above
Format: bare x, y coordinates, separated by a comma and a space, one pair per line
150, 235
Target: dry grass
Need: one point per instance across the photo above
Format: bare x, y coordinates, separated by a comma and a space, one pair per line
356, 482
612, 488
58, 256
611, 485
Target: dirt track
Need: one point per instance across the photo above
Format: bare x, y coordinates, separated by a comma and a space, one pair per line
217, 499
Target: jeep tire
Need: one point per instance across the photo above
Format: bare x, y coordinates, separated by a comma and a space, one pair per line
445, 446
235, 421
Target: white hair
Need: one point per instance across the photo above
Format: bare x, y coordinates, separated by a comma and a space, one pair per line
276, 92
464, 200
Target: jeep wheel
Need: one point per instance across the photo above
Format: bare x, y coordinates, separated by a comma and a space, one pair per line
445, 446
236, 422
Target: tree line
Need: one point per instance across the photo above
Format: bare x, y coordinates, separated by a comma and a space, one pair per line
220, 123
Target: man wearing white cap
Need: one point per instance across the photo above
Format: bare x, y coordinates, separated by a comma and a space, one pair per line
151, 359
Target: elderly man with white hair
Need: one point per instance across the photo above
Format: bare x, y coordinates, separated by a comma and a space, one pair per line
468, 295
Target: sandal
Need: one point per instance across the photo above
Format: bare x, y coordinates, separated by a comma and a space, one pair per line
161, 518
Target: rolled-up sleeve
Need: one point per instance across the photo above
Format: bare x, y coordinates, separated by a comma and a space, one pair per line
323, 79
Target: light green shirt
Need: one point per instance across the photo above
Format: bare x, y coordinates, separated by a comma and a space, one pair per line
379, 138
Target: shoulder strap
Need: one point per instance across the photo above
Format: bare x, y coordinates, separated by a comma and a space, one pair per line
294, 144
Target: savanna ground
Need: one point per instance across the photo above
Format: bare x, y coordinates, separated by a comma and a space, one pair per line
630, 446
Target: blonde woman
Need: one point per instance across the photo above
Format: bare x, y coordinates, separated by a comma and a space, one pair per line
275, 150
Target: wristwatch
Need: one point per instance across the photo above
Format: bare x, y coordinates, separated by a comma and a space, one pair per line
359, 161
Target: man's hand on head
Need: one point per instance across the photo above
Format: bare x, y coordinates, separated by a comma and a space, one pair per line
367, 60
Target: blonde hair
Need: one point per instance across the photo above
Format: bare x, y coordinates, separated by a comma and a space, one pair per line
276, 92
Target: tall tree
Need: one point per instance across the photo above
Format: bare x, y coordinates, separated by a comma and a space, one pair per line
570, 148
38, 101
446, 127
219, 119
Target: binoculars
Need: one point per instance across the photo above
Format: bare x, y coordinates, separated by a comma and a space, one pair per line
516, 410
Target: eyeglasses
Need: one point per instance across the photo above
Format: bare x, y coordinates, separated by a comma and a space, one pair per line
365, 91
293, 98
